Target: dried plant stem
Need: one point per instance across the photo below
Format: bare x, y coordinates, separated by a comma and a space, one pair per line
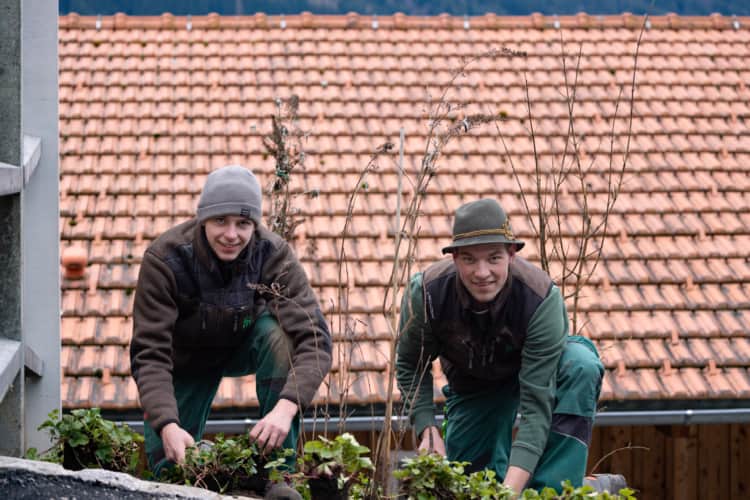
618, 450
284, 143
344, 324
385, 445
547, 217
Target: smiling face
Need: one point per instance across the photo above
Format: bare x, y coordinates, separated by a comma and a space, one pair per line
228, 235
483, 269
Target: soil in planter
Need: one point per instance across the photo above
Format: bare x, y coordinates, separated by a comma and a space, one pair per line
326, 489
256, 483
238, 483
217, 482
80, 457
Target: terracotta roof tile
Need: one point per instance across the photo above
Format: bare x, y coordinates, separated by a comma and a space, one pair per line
718, 383
147, 110
740, 380
730, 322
650, 384
723, 351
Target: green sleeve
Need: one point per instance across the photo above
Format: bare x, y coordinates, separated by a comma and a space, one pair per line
541, 352
416, 350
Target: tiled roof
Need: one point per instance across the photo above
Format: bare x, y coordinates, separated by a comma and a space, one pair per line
148, 106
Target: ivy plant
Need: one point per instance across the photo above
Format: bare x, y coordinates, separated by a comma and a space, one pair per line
84, 439
569, 492
434, 477
224, 464
429, 476
330, 469
484, 485
341, 457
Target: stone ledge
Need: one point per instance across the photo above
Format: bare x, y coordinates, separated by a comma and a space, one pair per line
20, 478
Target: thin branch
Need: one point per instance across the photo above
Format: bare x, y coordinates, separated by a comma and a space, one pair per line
618, 450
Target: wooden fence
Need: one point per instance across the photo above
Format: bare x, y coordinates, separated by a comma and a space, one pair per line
682, 462
694, 462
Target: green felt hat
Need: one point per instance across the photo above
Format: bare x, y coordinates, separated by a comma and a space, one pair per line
479, 222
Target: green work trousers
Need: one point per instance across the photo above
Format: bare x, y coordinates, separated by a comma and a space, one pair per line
266, 353
479, 426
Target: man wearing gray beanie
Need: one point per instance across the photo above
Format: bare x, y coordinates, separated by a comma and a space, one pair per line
220, 295
231, 190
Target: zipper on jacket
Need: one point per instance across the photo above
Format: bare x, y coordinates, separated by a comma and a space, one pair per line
493, 348
470, 346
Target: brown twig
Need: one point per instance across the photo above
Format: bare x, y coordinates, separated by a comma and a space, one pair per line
618, 450
578, 261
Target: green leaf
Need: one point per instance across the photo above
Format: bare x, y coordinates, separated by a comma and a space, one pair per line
78, 439
104, 454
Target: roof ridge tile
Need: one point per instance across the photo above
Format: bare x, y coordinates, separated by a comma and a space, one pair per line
400, 21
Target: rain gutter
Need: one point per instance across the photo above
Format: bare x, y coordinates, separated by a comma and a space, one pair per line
608, 418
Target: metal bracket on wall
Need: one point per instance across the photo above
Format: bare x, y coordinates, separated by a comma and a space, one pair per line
13, 178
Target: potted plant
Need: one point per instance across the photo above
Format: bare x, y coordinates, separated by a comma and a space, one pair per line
569, 492
484, 485
429, 475
224, 464
83, 439
330, 467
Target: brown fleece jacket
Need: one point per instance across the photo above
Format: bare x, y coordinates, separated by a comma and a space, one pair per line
191, 312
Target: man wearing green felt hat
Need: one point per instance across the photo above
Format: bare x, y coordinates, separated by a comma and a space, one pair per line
500, 328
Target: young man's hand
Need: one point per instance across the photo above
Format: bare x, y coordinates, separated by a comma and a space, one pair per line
432, 441
175, 439
271, 430
516, 478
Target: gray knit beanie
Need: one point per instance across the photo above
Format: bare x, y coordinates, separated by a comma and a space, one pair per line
230, 190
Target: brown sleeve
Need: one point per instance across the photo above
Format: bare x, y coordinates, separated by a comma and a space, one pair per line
154, 317
295, 307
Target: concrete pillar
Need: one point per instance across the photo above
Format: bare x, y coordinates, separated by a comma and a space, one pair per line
40, 238
11, 407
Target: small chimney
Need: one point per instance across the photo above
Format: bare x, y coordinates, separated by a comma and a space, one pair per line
74, 260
